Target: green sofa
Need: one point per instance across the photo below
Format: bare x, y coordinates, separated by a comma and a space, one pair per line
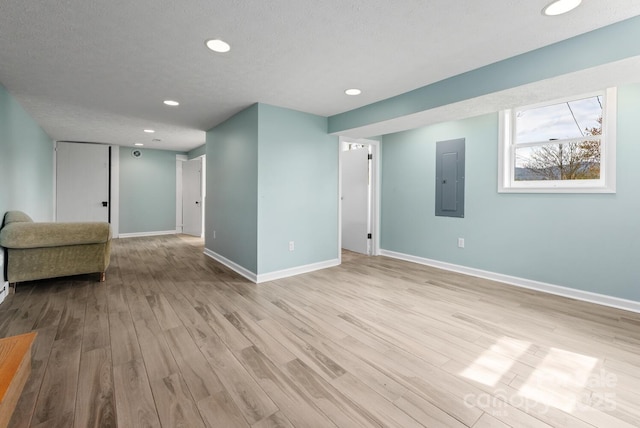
48, 250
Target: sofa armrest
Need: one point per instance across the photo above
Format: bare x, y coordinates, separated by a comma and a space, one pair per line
16, 216
38, 235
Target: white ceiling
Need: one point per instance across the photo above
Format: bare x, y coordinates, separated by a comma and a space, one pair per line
98, 71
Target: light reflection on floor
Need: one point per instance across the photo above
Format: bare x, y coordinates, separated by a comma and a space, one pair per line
495, 362
560, 380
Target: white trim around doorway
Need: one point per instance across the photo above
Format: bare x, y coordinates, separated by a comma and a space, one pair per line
376, 164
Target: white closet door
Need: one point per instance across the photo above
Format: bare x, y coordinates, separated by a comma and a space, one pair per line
82, 182
355, 200
192, 197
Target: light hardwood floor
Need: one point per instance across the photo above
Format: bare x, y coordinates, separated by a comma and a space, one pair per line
174, 339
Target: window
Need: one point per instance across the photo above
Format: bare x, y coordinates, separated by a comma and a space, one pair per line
563, 146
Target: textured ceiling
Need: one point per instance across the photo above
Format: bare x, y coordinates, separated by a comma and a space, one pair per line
99, 71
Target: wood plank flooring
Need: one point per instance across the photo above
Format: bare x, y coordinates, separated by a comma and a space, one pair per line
174, 339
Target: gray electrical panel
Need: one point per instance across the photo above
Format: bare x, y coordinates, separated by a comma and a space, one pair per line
450, 178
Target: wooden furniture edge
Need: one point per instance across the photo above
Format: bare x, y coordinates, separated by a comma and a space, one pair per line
15, 367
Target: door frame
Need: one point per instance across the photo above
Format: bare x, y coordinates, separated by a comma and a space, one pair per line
114, 185
375, 192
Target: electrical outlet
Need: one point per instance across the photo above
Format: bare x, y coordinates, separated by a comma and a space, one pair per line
460, 242
214, 234
292, 246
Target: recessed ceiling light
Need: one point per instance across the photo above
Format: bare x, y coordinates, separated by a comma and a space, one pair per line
149, 131
218, 45
171, 103
138, 144
559, 7
353, 91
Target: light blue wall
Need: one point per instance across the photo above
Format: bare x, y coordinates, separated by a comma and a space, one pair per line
297, 189
26, 162
272, 177
147, 191
198, 151
588, 242
232, 189
612, 43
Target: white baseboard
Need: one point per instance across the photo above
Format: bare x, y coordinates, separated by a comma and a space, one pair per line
231, 265
587, 296
271, 276
139, 234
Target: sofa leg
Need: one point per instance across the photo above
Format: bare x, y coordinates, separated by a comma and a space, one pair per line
12, 287
103, 276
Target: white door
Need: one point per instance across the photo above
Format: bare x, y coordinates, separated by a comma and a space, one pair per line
192, 197
355, 200
82, 182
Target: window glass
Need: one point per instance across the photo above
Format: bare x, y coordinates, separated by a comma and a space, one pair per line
560, 146
570, 119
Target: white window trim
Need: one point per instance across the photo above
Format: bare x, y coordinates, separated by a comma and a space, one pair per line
607, 181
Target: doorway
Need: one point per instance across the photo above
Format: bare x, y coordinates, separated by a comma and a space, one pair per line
359, 196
